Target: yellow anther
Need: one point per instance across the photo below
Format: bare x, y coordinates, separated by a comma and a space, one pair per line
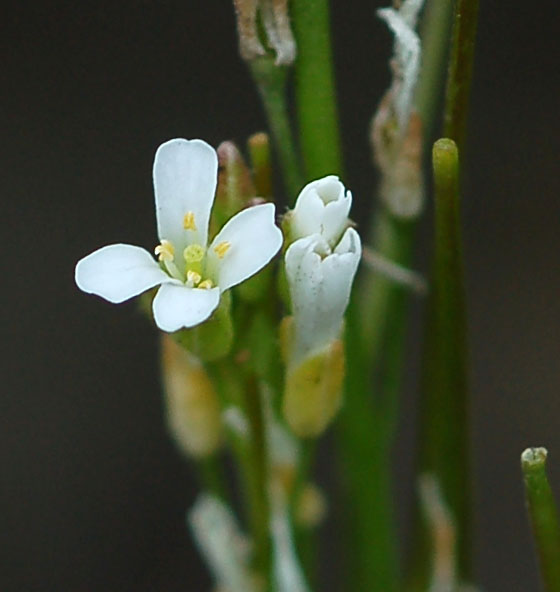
194, 253
165, 251
222, 248
188, 221
206, 285
193, 278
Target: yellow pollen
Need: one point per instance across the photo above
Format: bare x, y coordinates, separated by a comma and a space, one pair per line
194, 253
188, 221
222, 248
165, 251
193, 277
205, 285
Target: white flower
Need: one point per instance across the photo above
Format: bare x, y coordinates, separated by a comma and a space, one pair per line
320, 281
321, 208
191, 274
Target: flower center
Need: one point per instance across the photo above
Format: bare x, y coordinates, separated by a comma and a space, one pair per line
194, 256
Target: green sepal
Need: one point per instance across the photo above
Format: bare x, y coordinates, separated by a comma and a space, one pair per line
212, 339
313, 391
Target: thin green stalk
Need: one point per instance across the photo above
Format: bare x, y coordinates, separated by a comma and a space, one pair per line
212, 478
434, 35
271, 83
238, 389
258, 471
544, 516
375, 344
315, 89
460, 71
305, 537
444, 421
394, 240
371, 559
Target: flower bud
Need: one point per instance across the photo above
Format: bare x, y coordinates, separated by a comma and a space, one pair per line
235, 186
259, 150
193, 411
320, 269
319, 281
321, 208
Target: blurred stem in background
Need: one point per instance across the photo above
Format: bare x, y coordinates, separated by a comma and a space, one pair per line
444, 436
377, 329
435, 35
544, 516
443, 432
316, 90
270, 79
459, 78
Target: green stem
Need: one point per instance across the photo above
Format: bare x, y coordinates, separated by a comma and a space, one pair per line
435, 32
543, 514
211, 477
271, 82
257, 478
305, 538
238, 389
394, 240
315, 89
460, 71
376, 336
444, 425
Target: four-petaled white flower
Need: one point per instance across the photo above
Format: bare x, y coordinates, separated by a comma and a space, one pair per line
191, 274
321, 208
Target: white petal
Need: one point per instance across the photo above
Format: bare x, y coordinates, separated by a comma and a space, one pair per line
118, 272
320, 289
350, 243
254, 240
335, 218
176, 306
185, 177
322, 207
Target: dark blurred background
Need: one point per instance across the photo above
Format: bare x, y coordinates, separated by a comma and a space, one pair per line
92, 492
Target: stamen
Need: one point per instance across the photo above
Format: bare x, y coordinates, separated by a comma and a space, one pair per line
222, 248
194, 253
193, 278
165, 251
206, 285
188, 221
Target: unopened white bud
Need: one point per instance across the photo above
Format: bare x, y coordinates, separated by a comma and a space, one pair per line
321, 208
320, 285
